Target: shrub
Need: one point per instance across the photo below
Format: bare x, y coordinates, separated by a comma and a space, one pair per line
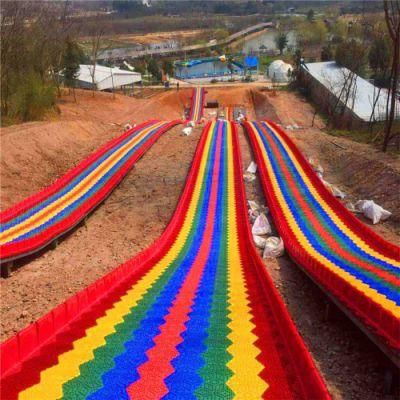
32, 99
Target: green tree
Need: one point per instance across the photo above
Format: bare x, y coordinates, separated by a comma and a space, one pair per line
338, 31
168, 67
221, 34
310, 15
72, 58
154, 69
352, 54
379, 55
312, 34
281, 41
327, 53
32, 98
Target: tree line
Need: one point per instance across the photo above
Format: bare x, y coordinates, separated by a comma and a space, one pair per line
368, 47
38, 41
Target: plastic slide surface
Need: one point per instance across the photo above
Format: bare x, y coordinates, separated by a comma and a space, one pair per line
33, 223
343, 255
229, 113
193, 316
197, 104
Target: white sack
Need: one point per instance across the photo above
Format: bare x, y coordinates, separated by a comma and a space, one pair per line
261, 226
259, 241
249, 177
253, 205
187, 131
252, 168
273, 247
372, 211
316, 166
253, 215
334, 190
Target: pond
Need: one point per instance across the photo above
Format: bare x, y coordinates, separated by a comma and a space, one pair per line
266, 38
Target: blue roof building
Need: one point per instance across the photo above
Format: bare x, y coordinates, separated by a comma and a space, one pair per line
207, 68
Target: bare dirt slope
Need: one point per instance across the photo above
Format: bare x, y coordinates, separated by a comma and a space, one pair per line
34, 154
134, 215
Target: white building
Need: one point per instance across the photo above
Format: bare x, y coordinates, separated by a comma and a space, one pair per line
105, 78
279, 71
358, 96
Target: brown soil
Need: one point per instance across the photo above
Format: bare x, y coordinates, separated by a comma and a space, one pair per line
133, 216
34, 154
137, 212
156, 37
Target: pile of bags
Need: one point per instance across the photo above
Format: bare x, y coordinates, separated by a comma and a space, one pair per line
272, 246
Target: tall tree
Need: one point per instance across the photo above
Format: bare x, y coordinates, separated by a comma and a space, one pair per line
281, 41
31, 55
352, 54
379, 55
168, 67
97, 33
310, 15
392, 18
154, 69
73, 56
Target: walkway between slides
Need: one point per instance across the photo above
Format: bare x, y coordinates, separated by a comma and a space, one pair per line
35, 222
352, 263
193, 316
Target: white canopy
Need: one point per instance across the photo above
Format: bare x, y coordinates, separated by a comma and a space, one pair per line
279, 71
106, 77
363, 93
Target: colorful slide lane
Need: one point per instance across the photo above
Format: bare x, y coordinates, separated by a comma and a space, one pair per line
197, 104
194, 316
343, 255
229, 113
36, 221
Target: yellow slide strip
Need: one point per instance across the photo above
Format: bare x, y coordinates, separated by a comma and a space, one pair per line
307, 246
52, 379
245, 381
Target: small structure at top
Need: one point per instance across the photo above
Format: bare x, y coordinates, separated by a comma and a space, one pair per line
279, 71
105, 78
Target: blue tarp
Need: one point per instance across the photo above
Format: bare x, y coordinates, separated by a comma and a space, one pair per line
251, 62
192, 63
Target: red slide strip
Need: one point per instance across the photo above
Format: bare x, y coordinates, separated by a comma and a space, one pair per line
33, 223
365, 280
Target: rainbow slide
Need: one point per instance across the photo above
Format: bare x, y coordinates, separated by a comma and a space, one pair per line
194, 316
36, 221
229, 113
197, 104
352, 263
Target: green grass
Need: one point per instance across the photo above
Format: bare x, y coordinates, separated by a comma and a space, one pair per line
360, 136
